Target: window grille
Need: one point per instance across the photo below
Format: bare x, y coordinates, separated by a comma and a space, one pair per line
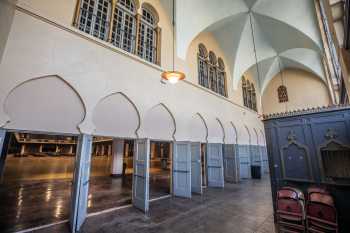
119, 26
249, 94
147, 36
203, 66
94, 17
221, 77
282, 94
124, 26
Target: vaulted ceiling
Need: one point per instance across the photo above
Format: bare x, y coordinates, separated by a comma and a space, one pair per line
285, 33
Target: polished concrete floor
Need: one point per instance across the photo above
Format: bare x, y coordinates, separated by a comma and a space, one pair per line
29, 204
238, 208
49, 168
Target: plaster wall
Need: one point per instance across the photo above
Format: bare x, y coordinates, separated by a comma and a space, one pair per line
109, 82
7, 10
97, 71
305, 90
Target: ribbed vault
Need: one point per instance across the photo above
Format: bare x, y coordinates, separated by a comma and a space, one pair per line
285, 33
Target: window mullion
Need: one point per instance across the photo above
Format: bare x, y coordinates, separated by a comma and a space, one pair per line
137, 33
111, 18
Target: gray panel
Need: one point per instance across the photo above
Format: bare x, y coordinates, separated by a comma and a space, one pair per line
81, 178
140, 186
265, 160
244, 161
230, 169
182, 169
196, 168
215, 166
2, 146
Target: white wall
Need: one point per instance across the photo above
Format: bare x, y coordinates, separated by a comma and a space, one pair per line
305, 90
7, 10
95, 71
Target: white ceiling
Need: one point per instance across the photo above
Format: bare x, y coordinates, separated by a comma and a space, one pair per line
285, 32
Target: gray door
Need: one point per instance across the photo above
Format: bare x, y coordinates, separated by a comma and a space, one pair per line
196, 168
244, 161
140, 186
80, 189
230, 163
215, 166
265, 160
3, 147
182, 169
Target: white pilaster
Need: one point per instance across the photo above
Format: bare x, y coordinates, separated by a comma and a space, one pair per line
117, 156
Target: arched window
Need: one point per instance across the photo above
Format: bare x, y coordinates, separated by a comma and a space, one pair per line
221, 77
244, 91
117, 22
203, 66
213, 83
282, 94
124, 25
94, 17
253, 98
249, 94
147, 44
211, 71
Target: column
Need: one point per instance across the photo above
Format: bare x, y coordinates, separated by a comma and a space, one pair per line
109, 150
80, 187
71, 149
41, 148
117, 157
23, 149
102, 149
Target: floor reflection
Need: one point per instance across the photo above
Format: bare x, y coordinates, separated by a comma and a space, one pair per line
29, 204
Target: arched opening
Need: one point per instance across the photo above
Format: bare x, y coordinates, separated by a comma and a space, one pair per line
41, 151
116, 119
159, 126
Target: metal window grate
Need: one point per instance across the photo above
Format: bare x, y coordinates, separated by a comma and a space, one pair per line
94, 16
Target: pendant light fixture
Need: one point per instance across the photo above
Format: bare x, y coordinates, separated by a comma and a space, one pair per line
173, 76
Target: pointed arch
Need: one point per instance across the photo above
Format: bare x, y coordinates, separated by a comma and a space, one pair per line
231, 133
63, 115
222, 129
116, 115
198, 129
216, 132
249, 134
257, 136
159, 123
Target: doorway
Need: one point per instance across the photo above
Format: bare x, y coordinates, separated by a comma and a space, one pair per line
111, 173
160, 169
36, 179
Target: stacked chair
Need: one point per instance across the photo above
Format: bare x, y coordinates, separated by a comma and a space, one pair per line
321, 212
290, 210
319, 215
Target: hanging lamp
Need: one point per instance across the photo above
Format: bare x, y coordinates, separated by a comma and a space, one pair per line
173, 76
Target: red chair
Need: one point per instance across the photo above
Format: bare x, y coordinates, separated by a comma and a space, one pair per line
290, 210
321, 212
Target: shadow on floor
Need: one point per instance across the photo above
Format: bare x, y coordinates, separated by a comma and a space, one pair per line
239, 208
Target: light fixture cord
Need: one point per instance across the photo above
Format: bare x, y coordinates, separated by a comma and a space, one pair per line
173, 35
255, 51
280, 68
